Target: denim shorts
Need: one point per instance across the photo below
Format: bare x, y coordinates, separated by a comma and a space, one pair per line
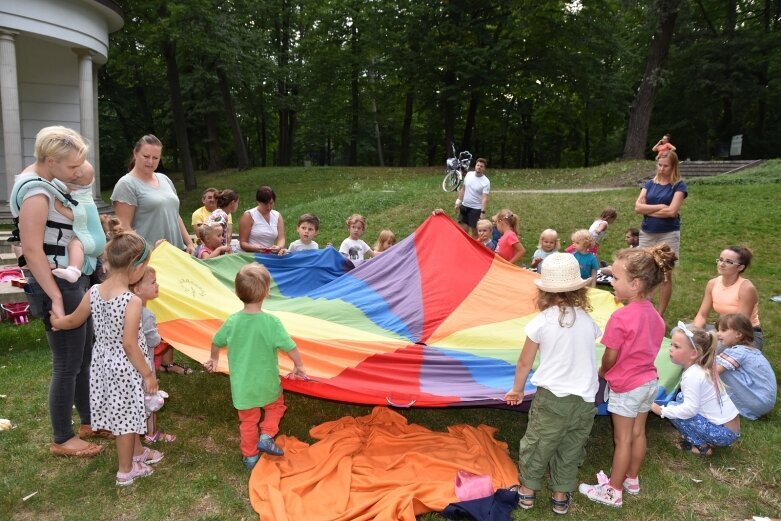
634, 402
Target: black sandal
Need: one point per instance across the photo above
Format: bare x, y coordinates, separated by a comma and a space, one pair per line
168, 368
525, 501
561, 506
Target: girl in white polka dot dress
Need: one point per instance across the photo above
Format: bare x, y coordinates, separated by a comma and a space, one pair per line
120, 371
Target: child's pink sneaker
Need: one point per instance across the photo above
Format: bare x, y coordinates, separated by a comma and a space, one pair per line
138, 470
632, 485
604, 494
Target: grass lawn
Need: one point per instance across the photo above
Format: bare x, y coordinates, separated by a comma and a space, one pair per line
202, 476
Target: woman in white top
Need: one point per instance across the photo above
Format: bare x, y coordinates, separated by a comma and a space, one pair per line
146, 200
262, 229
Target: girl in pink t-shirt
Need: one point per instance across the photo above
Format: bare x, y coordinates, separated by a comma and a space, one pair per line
633, 336
509, 246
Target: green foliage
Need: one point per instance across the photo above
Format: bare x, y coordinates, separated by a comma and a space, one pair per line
525, 84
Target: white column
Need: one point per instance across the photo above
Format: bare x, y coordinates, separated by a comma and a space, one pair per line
87, 110
86, 100
9, 99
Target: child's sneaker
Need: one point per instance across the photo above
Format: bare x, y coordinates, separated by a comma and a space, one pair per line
138, 470
604, 494
251, 461
267, 445
149, 456
632, 485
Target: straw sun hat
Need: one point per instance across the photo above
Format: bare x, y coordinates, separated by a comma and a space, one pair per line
560, 273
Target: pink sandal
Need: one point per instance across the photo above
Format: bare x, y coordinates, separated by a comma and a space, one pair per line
138, 470
159, 436
149, 456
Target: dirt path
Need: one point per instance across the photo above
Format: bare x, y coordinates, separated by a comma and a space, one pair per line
559, 190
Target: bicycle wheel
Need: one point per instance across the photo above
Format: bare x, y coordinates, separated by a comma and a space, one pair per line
451, 181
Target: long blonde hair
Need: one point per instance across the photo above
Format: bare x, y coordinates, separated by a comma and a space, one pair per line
676, 175
651, 266
382, 238
705, 343
563, 300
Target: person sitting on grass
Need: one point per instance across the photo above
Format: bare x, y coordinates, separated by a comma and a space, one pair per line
632, 240
252, 338
212, 236
227, 203
201, 214
582, 241
547, 245
703, 411
748, 376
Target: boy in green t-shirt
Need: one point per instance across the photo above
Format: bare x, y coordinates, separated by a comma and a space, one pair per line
252, 339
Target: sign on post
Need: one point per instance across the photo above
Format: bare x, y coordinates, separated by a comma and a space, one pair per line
736, 146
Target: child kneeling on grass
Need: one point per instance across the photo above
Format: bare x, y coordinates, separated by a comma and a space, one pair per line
562, 411
252, 338
703, 412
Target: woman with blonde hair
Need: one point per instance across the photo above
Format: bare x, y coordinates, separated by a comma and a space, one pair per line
45, 233
660, 203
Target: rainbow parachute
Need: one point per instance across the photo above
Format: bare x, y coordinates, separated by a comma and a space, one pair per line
437, 320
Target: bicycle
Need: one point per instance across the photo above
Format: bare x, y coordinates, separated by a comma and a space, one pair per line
455, 170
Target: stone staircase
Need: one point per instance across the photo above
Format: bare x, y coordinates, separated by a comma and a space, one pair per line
711, 168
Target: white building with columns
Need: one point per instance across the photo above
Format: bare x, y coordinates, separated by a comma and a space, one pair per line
50, 51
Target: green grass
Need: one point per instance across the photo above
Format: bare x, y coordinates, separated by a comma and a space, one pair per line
202, 476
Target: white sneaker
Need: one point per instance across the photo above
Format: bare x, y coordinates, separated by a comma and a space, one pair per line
604, 494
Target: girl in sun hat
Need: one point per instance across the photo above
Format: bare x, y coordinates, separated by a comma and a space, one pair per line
562, 411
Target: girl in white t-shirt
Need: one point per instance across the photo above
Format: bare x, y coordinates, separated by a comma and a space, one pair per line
562, 411
703, 412
353, 247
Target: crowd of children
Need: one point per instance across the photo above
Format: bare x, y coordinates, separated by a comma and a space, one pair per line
562, 336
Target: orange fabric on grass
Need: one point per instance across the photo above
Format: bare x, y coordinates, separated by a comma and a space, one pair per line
374, 467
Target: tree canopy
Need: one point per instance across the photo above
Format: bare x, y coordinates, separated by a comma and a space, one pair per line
543, 83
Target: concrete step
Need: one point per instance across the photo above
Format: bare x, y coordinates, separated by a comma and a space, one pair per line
710, 168
7, 259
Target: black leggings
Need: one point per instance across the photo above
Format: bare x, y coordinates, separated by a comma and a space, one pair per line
71, 357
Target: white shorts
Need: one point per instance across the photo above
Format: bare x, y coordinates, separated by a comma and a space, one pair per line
634, 402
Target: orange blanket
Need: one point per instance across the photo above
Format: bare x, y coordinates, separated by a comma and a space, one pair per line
374, 467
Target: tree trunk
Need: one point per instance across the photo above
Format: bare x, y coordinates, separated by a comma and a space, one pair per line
471, 115
355, 120
354, 96
643, 104
213, 144
177, 107
242, 160
406, 129
449, 108
286, 116
377, 133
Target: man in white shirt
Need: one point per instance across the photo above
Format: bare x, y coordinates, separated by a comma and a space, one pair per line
473, 197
